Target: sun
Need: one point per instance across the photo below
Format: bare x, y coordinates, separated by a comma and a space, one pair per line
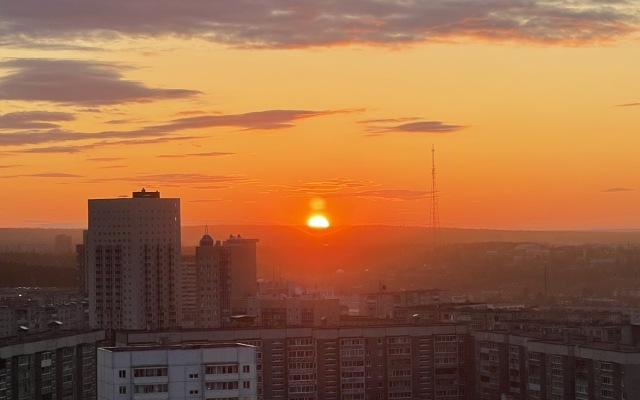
318, 222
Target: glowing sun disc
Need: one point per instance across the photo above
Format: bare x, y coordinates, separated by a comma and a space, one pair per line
318, 222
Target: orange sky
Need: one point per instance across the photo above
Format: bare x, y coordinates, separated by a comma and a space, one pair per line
249, 111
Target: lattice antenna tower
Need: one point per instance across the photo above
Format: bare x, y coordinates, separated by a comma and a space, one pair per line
434, 220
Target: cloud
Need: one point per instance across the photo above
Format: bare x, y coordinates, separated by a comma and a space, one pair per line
409, 127
78, 82
258, 120
205, 200
287, 24
347, 187
33, 119
210, 154
322, 188
113, 167
10, 166
629, 105
23, 42
180, 179
106, 159
616, 190
45, 175
394, 194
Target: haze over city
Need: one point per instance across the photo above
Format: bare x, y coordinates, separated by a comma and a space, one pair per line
268, 112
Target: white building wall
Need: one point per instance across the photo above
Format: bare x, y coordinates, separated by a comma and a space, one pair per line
185, 378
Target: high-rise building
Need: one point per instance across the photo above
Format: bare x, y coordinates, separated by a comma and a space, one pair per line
189, 283
242, 270
224, 279
133, 262
62, 244
213, 307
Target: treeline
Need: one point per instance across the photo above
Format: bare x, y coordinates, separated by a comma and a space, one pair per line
37, 269
38, 259
13, 275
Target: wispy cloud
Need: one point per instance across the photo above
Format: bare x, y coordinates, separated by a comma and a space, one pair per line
393, 194
629, 105
210, 154
106, 159
44, 175
180, 179
77, 82
10, 166
616, 190
113, 167
321, 188
282, 23
347, 187
33, 119
382, 126
258, 120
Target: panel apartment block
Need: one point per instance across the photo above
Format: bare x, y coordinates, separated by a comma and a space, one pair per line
179, 372
52, 367
133, 262
396, 362
531, 366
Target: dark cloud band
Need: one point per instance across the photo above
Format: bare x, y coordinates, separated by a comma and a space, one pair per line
304, 23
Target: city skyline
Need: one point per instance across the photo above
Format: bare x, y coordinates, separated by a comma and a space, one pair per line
268, 113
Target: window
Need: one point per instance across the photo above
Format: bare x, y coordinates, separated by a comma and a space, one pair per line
153, 371
246, 385
246, 369
193, 376
605, 366
221, 369
122, 390
607, 393
122, 373
224, 385
161, 388
194, 391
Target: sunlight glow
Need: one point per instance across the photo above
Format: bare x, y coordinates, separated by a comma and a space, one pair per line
318, 222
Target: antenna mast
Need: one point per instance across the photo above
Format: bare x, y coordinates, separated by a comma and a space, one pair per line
434, 221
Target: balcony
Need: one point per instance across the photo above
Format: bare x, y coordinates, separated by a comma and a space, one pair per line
147, 380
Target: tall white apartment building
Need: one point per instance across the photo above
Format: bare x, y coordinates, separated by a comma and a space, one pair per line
195, 371
133, 262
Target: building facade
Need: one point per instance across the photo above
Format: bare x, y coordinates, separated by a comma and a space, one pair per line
305, 310
225, 371
213, 284
395, 362
242, 271
57, 366
530, 367
133, 262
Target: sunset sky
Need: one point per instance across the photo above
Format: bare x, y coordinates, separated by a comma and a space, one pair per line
264, 112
